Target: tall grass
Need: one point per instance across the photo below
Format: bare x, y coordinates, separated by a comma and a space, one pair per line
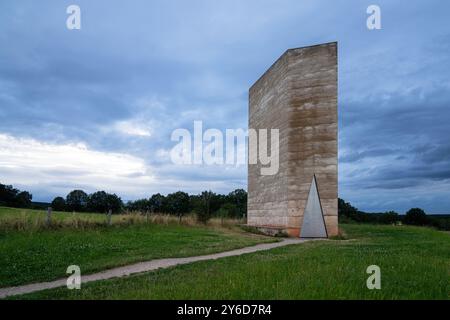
35, 220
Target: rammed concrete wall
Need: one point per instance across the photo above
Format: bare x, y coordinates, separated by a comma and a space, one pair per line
298, 96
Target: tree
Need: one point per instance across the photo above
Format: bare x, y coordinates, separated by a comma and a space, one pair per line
23, 199
389, 217
347, 210
115, 203
204, 206
178, 203
77, 200
98, 202
12, 197
59, 204
156, 203
238, 198
227, 210
102, 202
416, 216
141, 205
7, 195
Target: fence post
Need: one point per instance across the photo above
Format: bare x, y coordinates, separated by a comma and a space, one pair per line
146, 216
108, 217
48, 219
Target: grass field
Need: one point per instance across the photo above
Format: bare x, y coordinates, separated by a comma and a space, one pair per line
414, 262
32, 220
37, 254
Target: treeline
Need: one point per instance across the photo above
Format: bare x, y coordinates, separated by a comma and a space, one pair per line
204, 205
80, 201
12, 197
414, 216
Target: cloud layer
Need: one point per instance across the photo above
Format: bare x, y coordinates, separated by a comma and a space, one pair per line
111, 93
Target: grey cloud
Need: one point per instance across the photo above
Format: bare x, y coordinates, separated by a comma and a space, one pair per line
198, 59
355, 156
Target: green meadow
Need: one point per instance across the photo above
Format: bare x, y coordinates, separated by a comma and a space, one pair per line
32, 252
414, 262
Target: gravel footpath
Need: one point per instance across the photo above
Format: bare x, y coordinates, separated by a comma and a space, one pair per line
143, 267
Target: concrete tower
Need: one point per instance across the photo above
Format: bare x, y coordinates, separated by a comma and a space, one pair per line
298, 96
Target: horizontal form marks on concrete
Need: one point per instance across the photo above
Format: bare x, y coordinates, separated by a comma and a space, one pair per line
298, 96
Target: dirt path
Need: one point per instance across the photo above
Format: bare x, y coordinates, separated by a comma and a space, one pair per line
143, 267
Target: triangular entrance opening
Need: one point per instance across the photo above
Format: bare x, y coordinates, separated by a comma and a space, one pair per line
313, 221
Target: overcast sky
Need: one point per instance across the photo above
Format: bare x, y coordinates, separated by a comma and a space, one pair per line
94, 108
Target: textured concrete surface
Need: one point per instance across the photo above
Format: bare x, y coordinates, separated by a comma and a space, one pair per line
143, 267
298, 96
